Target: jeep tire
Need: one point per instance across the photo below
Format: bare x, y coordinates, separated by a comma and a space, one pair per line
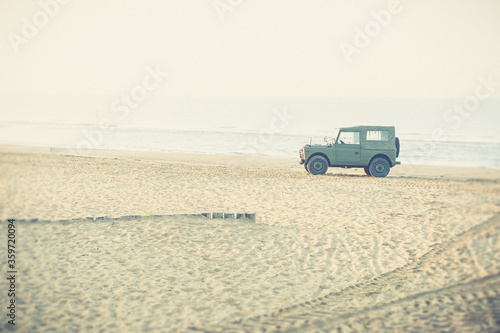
367, 171
379, 167
317, 165
305, 167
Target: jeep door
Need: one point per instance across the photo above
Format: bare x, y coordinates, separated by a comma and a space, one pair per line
347, 148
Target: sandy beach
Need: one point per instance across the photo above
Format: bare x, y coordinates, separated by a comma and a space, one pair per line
416, 251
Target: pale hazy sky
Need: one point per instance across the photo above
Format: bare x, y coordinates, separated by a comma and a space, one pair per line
257, 48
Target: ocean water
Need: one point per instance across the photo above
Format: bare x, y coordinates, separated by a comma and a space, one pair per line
274, 129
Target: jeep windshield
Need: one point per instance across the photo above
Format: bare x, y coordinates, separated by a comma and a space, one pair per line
335, 134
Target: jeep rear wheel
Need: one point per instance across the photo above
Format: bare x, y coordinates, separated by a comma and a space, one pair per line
317, 165
367, 171
379, 167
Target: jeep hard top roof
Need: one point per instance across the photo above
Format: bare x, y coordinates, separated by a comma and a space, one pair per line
386, 143
369, 128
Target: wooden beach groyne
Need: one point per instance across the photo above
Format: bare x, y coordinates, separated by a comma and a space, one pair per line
211, 215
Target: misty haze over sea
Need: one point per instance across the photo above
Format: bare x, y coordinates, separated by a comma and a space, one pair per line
252, 77
257, 126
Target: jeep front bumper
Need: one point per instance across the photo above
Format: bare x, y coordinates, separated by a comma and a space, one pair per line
302, 156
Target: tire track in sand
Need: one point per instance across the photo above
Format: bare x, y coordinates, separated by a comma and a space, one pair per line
475, 302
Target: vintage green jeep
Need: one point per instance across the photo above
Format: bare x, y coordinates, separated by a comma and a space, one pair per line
373, 148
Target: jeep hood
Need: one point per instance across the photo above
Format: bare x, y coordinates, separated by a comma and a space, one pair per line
316, 146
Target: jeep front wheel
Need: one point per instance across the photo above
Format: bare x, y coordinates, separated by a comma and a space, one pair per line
305, 167
317, 165
379, 167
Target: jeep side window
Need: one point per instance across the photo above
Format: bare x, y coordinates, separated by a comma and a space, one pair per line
348, 138
377, 135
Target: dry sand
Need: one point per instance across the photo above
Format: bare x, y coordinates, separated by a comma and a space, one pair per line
416, 251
